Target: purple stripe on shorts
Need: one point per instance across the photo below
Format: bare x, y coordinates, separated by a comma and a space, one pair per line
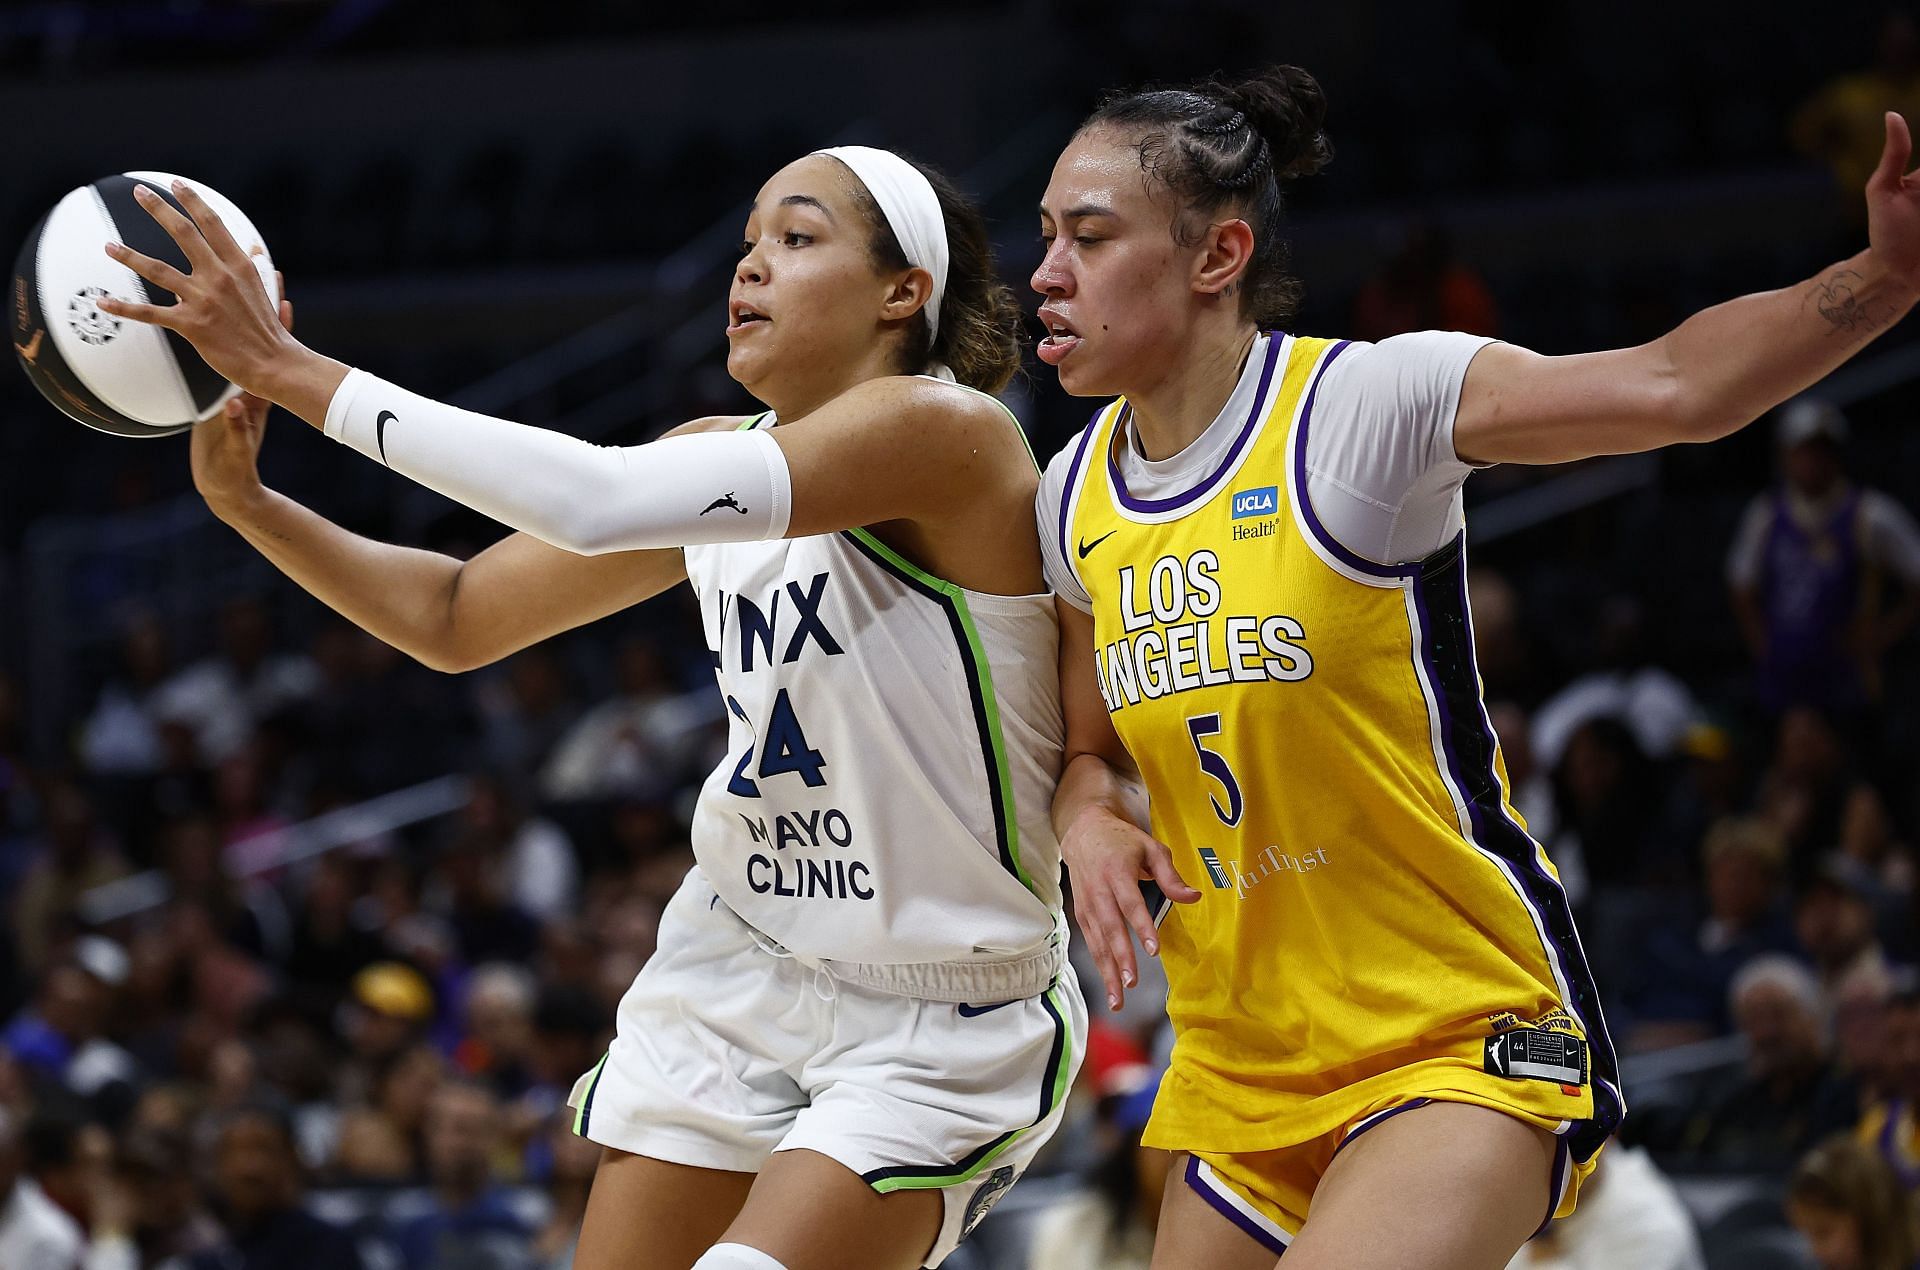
1220, 1205
1557, 1182
1153, 506
1374, 1121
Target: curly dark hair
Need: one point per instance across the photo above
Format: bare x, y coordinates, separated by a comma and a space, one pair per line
1225, 144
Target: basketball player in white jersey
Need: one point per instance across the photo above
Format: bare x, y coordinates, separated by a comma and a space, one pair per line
859, 1026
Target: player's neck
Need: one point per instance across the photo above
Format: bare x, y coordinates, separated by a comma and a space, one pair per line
1168, 416
797, 397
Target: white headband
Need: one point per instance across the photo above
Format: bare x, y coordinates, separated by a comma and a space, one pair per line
912, 209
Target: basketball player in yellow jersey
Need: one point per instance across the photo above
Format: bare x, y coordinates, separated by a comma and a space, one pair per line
1389, 1050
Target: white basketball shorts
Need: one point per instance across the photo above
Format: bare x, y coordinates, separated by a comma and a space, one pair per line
727, 1051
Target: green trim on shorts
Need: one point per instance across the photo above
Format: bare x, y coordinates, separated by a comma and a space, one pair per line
1053, 1090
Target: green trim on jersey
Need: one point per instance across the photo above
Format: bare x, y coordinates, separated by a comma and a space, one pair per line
980, 682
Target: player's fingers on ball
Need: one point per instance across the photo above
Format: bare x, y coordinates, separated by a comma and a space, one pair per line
212, 228
178, 227
166, 315
158, 272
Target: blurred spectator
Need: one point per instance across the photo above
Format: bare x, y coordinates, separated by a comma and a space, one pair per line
1869, 843
498, 1044
122, 735
166, 1220
62, 1038
1109, 1225
1606, 794
387, 1015
541, 871
1845, 1202
1812, 567
1843, 126
1654, 705
1424, 287
249, 827
1684, 978
1792, 1094
34, 1233
1834, 922
574, 1160
1805, 789
467, 1222
76, 857
259, 1187
1861, 1001
1629, 1218
384, 1140
527, 708
329, 946
633, 745
223, 697
1891, 1126
477, 900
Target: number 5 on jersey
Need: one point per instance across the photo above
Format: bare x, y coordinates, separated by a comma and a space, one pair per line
1199, 727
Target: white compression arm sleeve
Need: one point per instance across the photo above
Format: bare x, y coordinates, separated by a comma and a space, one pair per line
589, 499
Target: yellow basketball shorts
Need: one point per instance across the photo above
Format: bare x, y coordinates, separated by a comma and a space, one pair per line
1268, 1193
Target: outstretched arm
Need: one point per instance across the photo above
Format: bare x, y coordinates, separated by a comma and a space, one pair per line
1716, 372
446, 613
924, 451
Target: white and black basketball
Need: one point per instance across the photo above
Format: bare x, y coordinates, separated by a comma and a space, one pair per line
127, 378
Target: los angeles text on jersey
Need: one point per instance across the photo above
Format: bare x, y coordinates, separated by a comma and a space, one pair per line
797, 853
1176, 640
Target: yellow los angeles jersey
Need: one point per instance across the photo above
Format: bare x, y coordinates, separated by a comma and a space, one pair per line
1375, 926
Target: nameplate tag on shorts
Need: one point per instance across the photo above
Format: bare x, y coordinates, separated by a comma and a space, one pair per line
1536, 1054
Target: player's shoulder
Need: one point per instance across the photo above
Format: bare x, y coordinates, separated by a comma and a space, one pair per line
1071, 457
1396, 354
711, 423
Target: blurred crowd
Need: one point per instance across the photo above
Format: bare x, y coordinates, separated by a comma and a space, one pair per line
239, 1031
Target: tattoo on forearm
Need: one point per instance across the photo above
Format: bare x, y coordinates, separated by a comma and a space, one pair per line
1835, 298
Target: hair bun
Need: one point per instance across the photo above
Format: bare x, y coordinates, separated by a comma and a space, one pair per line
1288, 108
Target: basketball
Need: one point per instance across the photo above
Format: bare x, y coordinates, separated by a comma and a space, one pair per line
121, 377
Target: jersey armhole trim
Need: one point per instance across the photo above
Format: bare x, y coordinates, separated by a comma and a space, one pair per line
1331, 549
1070, 492
979, 673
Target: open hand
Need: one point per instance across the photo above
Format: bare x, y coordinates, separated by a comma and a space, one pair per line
221, 306
1108, 858
1893, 205
226, 448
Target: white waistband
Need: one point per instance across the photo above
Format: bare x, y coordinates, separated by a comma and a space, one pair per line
987, 981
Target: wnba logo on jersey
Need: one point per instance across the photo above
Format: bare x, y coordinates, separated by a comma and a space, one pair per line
1264, 501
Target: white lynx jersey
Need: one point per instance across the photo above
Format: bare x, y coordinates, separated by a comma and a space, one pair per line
894, 745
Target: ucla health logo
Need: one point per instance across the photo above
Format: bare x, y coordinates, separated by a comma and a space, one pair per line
1264, 501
